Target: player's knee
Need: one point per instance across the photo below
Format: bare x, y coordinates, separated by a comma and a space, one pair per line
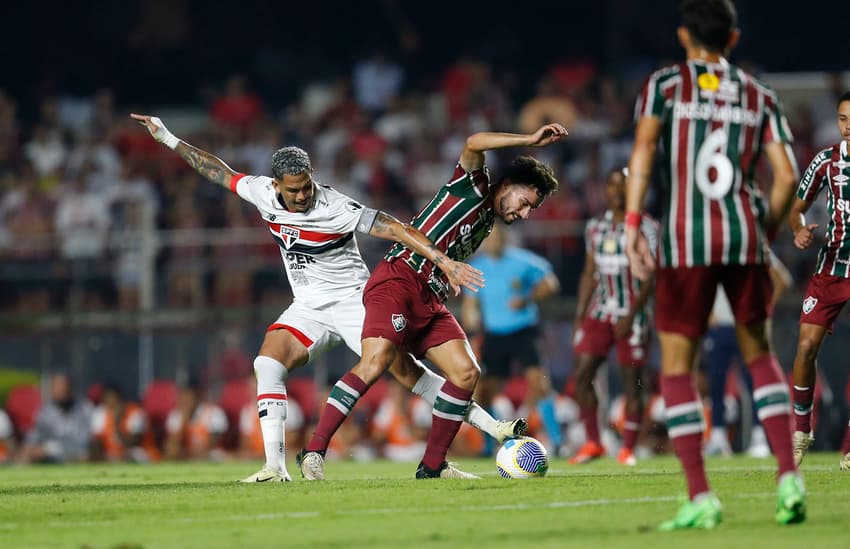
375, 363
807, 349
468, 376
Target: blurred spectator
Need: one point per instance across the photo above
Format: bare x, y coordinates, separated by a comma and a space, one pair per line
195, 428
548, 106
46, 151
237, 108
120, 430
377, 81
394, 431
63, 429
232, 261
7, 437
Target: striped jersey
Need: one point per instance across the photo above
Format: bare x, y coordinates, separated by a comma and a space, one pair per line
616, 289
716, 120
318, 247
830, 170
456, 220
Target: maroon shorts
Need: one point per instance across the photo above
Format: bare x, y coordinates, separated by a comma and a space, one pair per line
824, 299
402, 308
684, 296
596, 338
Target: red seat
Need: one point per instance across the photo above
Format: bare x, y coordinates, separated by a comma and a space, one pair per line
303, 391
23, 405
235, 394
159, 399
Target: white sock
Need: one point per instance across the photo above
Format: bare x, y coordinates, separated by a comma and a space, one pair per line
271, 406
429, 384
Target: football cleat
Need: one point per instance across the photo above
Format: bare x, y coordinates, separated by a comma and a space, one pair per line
590, 451
844, 464
267, 475
626, 457
511, 429
312, 464
446, 470
705, 513
801, 442
791, 501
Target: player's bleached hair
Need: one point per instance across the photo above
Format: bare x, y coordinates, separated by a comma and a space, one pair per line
710, 22
290, 161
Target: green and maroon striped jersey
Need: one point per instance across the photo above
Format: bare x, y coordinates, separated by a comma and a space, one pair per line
456, 220
716, 120
616, 289
830, 170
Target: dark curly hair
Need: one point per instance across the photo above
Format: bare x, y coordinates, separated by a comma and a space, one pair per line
527, 170
710, 22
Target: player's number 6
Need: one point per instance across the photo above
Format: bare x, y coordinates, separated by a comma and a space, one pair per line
712, 155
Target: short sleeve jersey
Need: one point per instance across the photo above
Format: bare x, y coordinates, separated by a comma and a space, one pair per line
318, 247
456, 220
716, 120
830, 171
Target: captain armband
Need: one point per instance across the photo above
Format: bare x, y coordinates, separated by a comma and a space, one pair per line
367, 220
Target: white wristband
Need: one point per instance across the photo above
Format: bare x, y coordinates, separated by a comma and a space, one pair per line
163, 135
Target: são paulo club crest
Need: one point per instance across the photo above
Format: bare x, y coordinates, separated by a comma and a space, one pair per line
289, 235
809, 304
399, 322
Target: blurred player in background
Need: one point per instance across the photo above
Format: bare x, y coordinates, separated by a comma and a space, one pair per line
506, 310
314, 226
829, 288
613, 310
405, 296
715, 121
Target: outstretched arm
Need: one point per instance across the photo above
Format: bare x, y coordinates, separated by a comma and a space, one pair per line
472, 157
459, 273
206, 164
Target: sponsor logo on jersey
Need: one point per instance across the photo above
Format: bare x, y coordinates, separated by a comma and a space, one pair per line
289, 235
809, 304
708, 82
842, 205
399, 322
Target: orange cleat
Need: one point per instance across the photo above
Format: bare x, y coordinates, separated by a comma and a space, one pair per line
626, 457
590, 451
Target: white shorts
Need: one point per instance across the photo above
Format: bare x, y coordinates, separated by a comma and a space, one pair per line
325, 328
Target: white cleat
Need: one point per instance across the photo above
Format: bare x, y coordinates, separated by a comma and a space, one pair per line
801, 442
312, 466
450, 471
506, 429
759, 447
844, 464
267, 475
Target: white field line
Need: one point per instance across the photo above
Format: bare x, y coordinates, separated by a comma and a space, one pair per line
601, 502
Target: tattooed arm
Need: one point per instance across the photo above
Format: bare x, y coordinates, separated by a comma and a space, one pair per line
459, 273
206, 164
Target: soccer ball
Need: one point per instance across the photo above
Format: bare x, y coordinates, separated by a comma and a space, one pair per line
522, 457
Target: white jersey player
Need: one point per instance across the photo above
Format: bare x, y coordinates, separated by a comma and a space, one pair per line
314, 226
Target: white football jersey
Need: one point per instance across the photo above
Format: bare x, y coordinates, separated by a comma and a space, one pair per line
318, 247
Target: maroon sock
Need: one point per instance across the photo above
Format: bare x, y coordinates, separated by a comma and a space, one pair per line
344, 395
685, 426
845, 446
590, 418
630, 431
449, 410
770, 395
804, 398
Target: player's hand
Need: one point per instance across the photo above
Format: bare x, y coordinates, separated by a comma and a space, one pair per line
804, 237
547, 135
462, 275
641, 257
624, 326
157, 129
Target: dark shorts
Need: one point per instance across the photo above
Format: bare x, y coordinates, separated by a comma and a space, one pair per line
596, 338
500, 351
402, 308
825, 297
684, 296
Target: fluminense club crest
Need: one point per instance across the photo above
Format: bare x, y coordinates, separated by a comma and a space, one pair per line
399, 322
289, 235
809, 304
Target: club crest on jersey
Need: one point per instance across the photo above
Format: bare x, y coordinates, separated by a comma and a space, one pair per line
399, 322
289, 235
809, 304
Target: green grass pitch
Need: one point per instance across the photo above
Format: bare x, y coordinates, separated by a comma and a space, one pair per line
379, 504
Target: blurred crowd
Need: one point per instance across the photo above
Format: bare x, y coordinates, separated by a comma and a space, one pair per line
84, 192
